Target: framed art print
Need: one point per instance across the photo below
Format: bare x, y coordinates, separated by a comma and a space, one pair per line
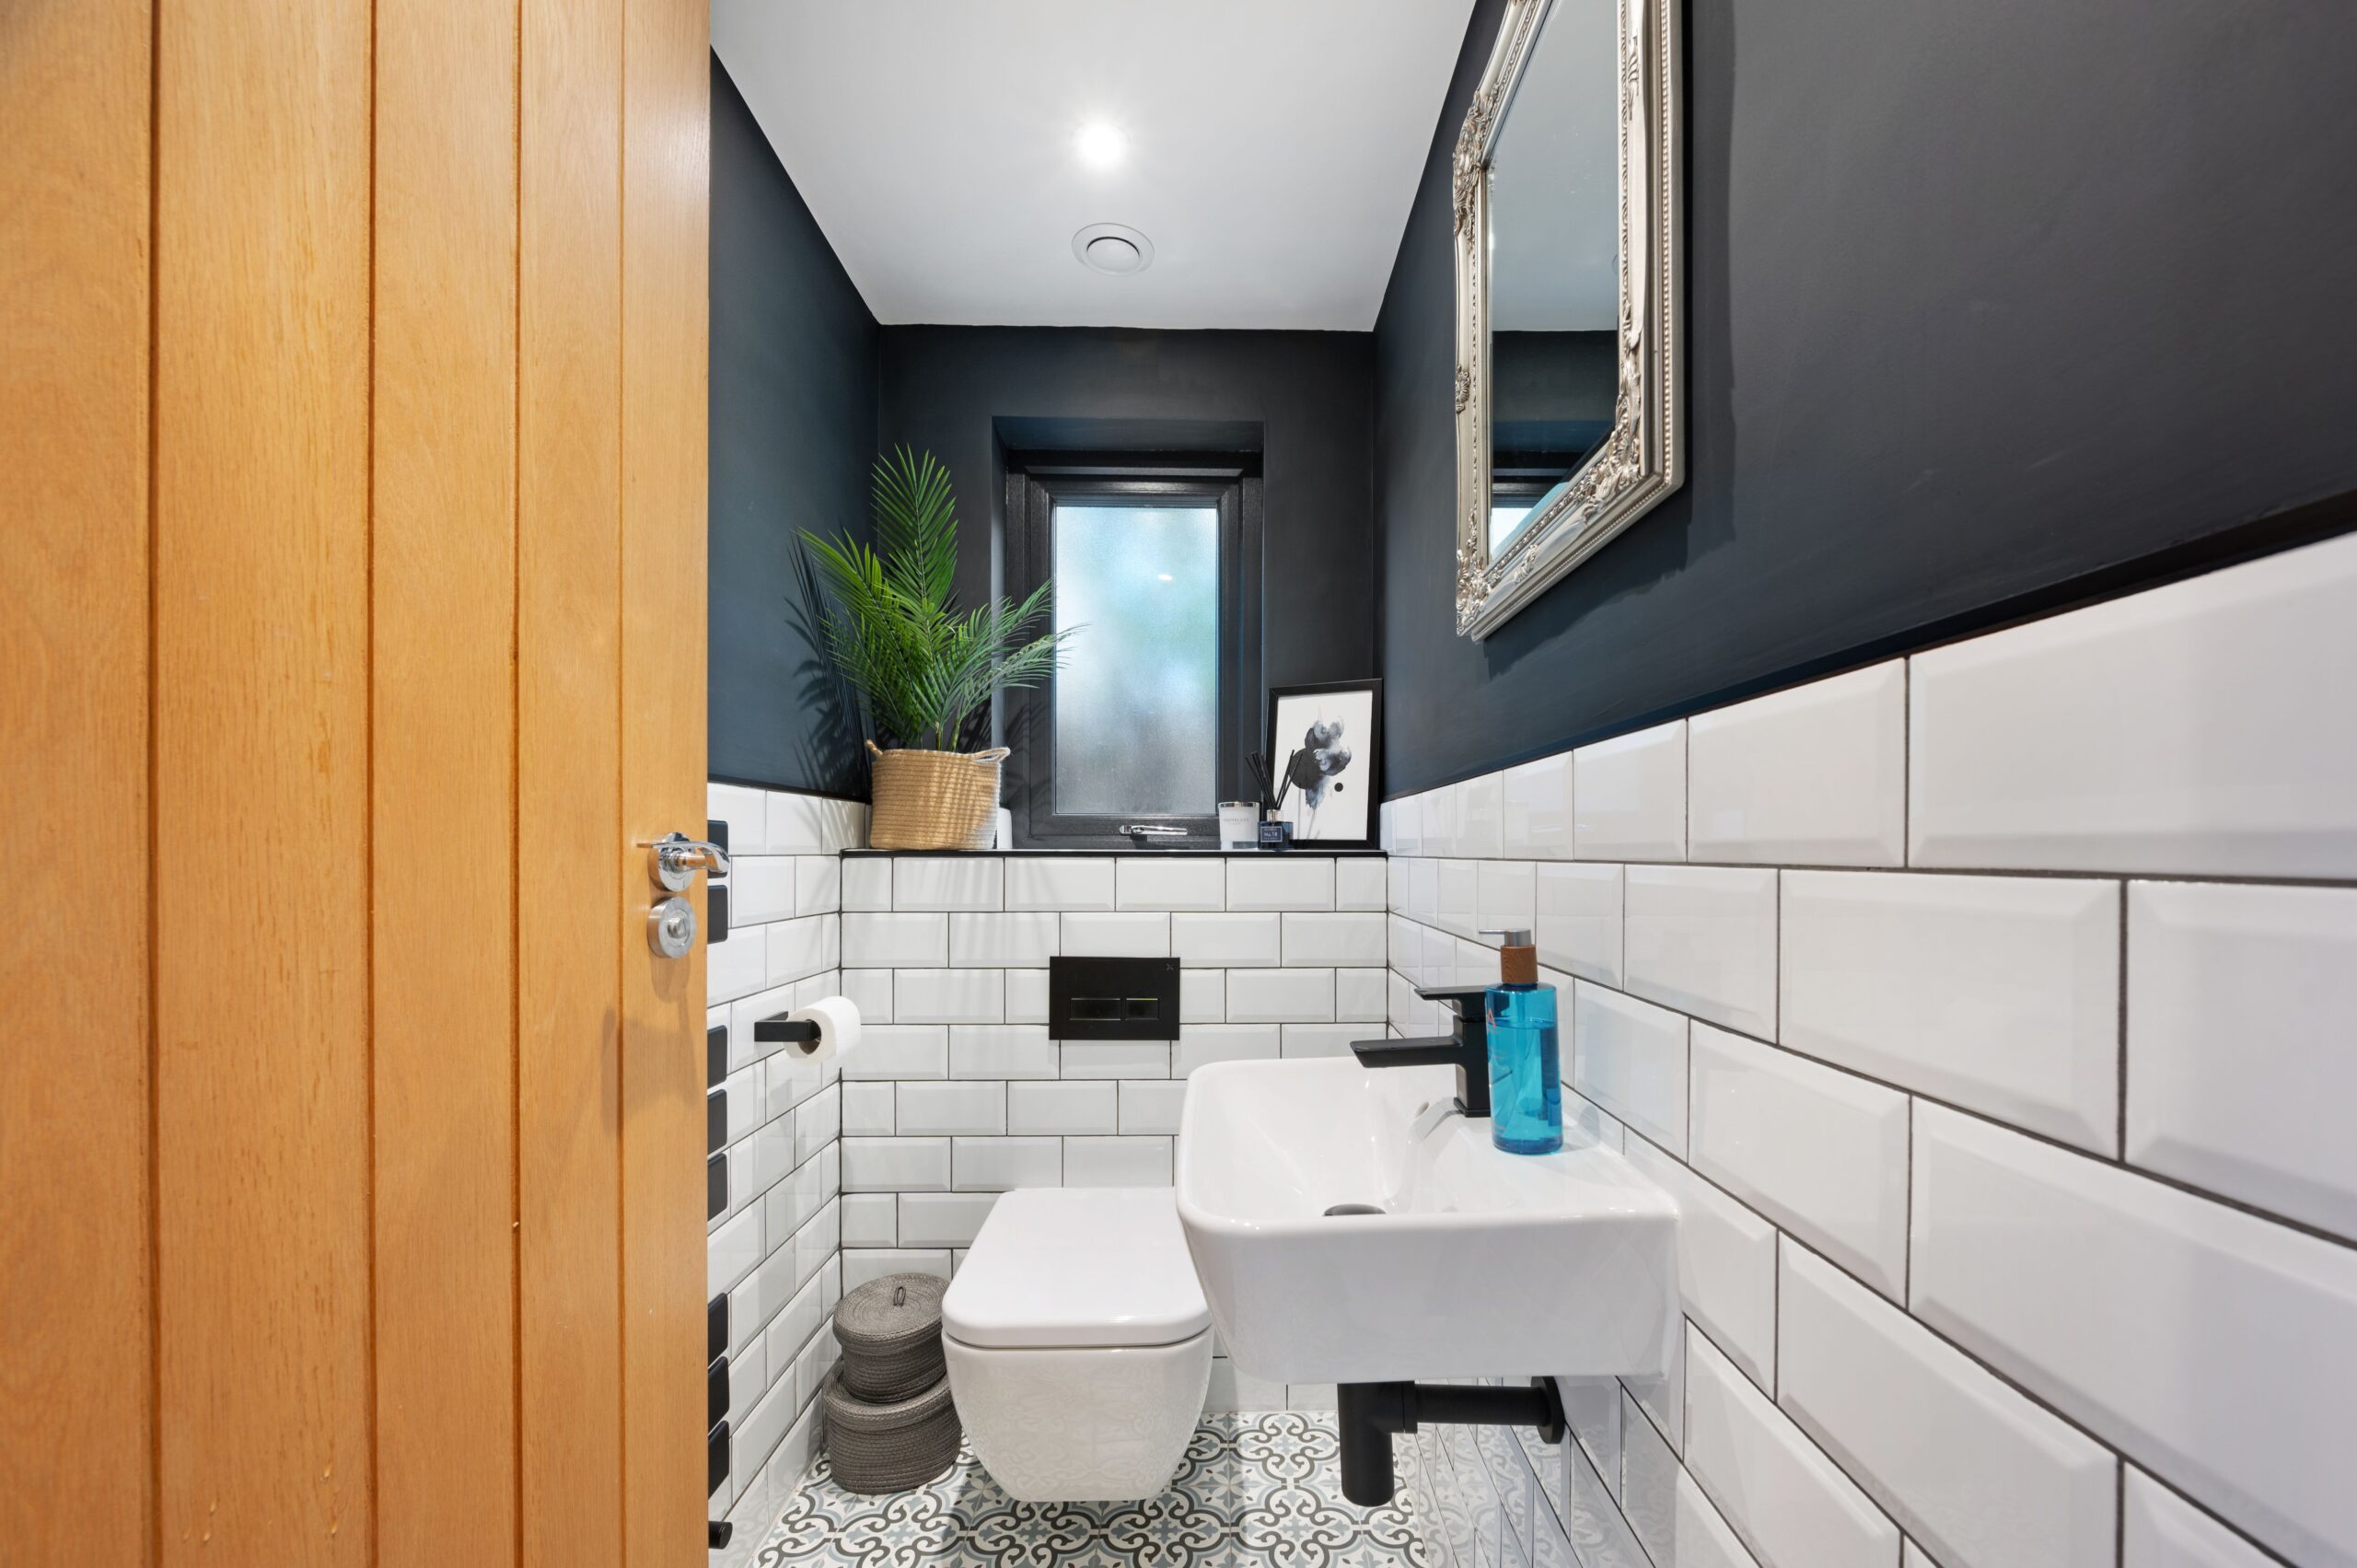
1326, 749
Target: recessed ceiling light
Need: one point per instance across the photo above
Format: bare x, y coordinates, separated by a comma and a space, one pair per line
1113, 248
1100, 145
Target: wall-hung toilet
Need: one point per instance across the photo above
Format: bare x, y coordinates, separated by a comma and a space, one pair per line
1079, 1343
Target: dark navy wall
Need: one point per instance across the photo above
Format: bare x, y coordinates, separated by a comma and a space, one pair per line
950, 389
1990, 307
793, 434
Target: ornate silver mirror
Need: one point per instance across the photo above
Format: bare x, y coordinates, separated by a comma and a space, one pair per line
1568, 293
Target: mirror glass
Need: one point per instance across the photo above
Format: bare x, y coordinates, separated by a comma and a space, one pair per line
1554, 263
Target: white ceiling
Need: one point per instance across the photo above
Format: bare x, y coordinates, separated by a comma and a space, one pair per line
1273, 149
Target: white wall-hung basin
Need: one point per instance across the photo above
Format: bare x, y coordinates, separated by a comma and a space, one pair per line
1479, 1264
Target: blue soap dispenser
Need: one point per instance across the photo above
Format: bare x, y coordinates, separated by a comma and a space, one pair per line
1525, 1080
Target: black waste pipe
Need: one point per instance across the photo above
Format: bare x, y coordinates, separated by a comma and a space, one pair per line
1369, 1416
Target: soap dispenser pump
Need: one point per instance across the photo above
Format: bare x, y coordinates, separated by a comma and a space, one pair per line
1525, 1085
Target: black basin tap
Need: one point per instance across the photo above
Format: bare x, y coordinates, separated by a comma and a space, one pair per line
1465, 1048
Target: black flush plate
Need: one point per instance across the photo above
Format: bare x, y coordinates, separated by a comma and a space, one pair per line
1113, 998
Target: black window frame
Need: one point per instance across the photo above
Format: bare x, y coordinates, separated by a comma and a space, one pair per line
1035, 487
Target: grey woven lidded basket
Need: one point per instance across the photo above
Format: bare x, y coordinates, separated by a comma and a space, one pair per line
888, 1448
890, 1332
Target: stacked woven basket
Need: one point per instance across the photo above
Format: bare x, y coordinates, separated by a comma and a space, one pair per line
890, 1424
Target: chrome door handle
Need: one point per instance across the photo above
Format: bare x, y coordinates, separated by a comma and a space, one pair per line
677, 858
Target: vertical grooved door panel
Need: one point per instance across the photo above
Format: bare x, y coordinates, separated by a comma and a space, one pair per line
666, 185
443, 580
76, 1403
568, 807
261, 712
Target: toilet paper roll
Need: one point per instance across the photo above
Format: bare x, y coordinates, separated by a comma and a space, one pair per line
838, 1021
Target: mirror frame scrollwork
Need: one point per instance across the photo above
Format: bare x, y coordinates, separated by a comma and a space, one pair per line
1643, 459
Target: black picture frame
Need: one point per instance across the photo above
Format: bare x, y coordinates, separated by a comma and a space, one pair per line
1362, 778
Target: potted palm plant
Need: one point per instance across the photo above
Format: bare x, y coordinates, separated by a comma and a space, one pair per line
923, 666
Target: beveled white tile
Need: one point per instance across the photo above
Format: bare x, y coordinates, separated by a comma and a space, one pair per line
899, 1051
1788, 1501
1404, 818
1116, 1058
1359, 883
1538, 818
1026, 993
1630, 1057
868, 1110
1705, 1538
1818, 1151
798, 823
1117, 1162
1976, 1472
943, 1219
1320, 1039
2190, 1336
1404, 946
1004, 941
2160, 1529
1002, 1165
1062, 1108
941, 882
867, 882
1456, 898
1504, 897
895, 941
1630, 796
1150, 1105
870, 1219
1439, 812
1201, 1044
1358, 996
870, 991
1578, 920
1726, 1262
865, 1263
1054, 882
818, 884
746, 813
1224, 941
1202, 995
1330, 941
1168, 882
1702, 939
1117, 936
1269, 996
760, 889
948, 996
737, 967
1002, 1050
1649, 1472
2200, 727
1481, 818
1816, 775
1397, 873
1280, 882
1663, 1398
2241, 1075
1997, 992
896, 1165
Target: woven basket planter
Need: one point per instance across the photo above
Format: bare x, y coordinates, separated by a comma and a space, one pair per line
934, 799
888, 1448
890, 1332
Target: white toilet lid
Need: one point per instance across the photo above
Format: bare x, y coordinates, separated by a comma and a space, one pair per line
1077, 1267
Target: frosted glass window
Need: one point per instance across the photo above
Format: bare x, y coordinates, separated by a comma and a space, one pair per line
1137, 702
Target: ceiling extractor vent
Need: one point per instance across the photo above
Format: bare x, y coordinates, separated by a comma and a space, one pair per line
1113, 248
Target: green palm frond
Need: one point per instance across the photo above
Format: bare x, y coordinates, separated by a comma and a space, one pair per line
894, 628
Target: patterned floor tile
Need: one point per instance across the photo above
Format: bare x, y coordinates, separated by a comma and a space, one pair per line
1257, 1491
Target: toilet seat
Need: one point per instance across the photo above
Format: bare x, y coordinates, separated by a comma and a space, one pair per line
1077, 1267
1078, 1342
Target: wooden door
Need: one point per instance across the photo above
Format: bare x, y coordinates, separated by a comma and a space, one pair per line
353, 427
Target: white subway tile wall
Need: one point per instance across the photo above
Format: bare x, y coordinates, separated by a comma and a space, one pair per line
959, 1094
774, 1248
2018, 1207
